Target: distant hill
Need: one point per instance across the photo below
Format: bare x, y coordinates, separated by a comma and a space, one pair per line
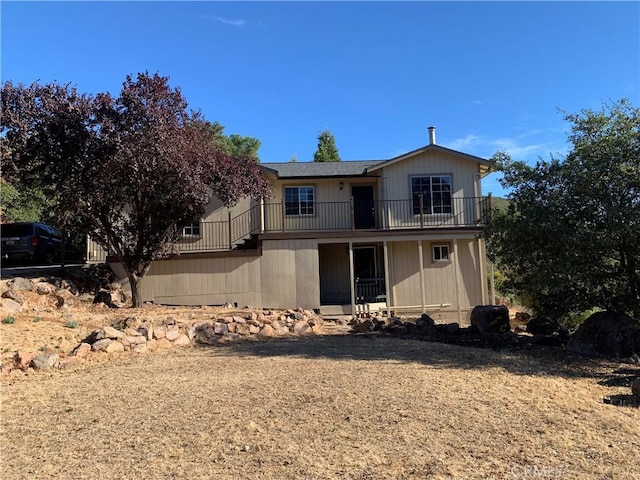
500, 203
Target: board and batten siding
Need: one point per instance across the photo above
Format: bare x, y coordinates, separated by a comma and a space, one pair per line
202, 281
439, 276
290, 274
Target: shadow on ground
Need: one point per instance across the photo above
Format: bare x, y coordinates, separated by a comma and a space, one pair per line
530, 360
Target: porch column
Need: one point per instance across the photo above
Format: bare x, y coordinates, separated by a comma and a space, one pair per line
352, 279
422, 286
483, 278
456, 278
261, 215
387, 290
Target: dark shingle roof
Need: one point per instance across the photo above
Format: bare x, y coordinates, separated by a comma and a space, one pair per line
319, 169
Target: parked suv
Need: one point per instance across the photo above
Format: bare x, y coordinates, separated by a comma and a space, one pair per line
30, 242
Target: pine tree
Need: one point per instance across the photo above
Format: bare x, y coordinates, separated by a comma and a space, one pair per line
327, 150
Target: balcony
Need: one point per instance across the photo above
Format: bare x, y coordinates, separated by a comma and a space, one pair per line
380, 215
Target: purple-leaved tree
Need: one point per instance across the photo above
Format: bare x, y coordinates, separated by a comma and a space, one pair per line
135, 167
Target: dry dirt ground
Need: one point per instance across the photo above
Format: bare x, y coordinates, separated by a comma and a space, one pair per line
319, 407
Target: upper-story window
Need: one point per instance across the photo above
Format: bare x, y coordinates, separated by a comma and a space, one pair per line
435, 191
299, 200
191, 230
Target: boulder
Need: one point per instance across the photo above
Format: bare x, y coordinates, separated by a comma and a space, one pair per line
64, 298
220, 328
10, 306
172, 334
114, 347
70, 362
542, 326
490, 319
109, 332
635, 389
182, 340
104, 296
23, 359
19, 284
611, 334
45, 362
82, 350
268, 331
45, 288
101, 345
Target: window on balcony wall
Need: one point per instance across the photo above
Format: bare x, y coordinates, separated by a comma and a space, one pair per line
191, 230
435, 191
299, 200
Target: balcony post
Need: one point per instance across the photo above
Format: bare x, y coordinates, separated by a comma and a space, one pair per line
352, 213
490, 208
261, 226
230, 233
282, 206
421, 200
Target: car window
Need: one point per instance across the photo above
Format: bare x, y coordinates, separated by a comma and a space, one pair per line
16, 230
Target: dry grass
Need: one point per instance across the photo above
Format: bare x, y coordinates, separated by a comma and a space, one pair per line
341, 406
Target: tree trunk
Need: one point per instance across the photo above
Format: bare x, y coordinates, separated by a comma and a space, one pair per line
135, 282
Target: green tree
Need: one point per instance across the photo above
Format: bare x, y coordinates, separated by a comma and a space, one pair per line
294, 158
327, 150
135, 167
236, 145
569, 239
20, 204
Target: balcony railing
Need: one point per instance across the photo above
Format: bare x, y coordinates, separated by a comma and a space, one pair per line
338, 216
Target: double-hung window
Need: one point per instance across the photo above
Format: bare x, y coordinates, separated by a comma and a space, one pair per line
435, 191
299, 200
191, 230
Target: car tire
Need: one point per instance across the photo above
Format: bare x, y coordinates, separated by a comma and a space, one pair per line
49, 257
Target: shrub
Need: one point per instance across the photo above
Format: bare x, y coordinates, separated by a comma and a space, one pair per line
36, 320
10, 319
71, 324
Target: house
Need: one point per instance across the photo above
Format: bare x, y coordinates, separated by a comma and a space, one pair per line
402, 234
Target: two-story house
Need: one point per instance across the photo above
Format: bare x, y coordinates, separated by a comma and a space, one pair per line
402, 234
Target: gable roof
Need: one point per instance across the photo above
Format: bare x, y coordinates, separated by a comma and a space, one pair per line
483, 162
320, 169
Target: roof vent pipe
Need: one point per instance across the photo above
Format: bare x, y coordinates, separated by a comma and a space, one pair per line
432, 135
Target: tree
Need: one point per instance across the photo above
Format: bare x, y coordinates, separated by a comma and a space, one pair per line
569, 239
234, 144
135, 167
327, 150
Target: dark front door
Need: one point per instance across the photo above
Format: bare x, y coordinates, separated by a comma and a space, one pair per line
364, 213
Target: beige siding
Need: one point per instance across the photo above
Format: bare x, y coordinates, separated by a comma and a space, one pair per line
396, 186
290, 274
439, 277
208, 281
332, 209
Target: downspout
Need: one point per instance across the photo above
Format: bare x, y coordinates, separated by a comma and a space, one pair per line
387, 289
352, 280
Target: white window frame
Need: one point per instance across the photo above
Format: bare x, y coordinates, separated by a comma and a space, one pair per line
299, 203
438, 252
430, 206
191, 230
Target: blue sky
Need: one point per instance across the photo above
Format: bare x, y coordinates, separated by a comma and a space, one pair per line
488, 75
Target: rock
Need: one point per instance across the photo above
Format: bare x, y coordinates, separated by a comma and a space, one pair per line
70, 362
239, 320
101, 345
254, 329
23, 359
522, 317
268, 331
610, 334
182, 340
172, 334
21, 284
547, 340
45, 362
220, 328
10, 306
635, 389
244, 329
44, 288
64, 298
159, 332
133, 340
366, 326
109, 332
114, 347
490, 319
301, 328
453, 328
82, 350
163, 344
104, 296
146, 331
140, 348
425, 320
542, 326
